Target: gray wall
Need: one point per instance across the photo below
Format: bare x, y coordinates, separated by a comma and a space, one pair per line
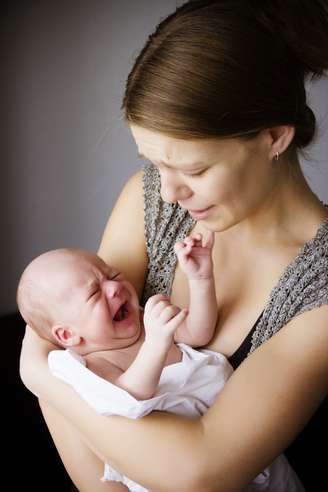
65, 151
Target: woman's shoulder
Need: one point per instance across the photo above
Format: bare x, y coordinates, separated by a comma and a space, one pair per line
302, 287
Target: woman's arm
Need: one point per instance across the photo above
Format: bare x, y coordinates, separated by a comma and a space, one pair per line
83, 466
264, 405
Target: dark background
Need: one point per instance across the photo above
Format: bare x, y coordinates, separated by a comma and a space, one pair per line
29, 459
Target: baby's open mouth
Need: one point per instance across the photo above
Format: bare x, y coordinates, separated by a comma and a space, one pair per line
122, 312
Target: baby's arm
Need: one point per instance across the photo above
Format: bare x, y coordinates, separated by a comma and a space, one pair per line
196, 262
161, 320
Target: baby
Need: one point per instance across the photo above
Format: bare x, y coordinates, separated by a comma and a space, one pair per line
75, 300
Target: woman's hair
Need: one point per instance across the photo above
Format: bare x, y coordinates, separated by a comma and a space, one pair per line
228, 68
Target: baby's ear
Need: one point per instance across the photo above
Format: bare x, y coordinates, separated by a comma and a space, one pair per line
65, 336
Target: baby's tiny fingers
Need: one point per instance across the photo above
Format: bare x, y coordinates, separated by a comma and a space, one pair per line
177, 319
189, 240
178, 246
168, 313
183, 248
161, 307
154, 300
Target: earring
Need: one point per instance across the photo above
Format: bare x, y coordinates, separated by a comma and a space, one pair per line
276, 157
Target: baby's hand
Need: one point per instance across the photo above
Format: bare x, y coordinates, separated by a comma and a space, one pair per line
161, 319
195, 258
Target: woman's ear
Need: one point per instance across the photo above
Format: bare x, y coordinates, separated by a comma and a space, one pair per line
280, 137
65, 336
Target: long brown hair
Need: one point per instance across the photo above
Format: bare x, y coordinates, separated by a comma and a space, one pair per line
230, 68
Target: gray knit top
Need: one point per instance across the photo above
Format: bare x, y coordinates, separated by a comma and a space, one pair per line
302, 286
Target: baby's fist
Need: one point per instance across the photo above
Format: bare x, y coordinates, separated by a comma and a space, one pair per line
195, 258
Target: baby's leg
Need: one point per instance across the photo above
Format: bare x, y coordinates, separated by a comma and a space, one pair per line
82, 465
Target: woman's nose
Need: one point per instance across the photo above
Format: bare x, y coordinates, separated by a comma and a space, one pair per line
172, 189
113, 288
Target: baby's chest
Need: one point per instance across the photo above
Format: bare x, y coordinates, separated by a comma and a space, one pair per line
103, 366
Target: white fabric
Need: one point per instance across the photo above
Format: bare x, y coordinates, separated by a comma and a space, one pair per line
186, 388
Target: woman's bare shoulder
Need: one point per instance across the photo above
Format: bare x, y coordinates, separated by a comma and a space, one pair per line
123, 242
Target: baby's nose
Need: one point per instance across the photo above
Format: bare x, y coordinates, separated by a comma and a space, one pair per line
113, 288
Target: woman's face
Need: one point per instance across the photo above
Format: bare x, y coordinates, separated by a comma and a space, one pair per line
219, 181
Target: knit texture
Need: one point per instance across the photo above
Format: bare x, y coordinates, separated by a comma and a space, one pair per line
302, 287
165, 224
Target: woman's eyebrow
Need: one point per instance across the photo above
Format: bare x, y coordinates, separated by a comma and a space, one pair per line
192, 164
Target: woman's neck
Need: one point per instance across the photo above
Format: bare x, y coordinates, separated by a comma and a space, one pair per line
290, 214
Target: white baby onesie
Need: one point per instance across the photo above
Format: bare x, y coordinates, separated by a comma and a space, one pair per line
187, 388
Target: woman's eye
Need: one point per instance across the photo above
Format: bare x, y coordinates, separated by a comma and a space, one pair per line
198, 173
115, 276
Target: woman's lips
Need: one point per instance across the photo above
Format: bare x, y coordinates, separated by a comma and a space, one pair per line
200, 214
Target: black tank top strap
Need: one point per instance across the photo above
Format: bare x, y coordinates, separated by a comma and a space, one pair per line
242, 351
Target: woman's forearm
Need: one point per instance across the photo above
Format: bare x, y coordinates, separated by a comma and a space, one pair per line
223, 451
161, 451
158, 451
138, 448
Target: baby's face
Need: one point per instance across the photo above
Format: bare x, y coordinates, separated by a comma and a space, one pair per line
99, 303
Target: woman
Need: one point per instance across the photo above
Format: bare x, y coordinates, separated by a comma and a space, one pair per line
216, 102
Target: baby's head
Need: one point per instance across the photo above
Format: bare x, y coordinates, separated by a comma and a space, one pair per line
71, 297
